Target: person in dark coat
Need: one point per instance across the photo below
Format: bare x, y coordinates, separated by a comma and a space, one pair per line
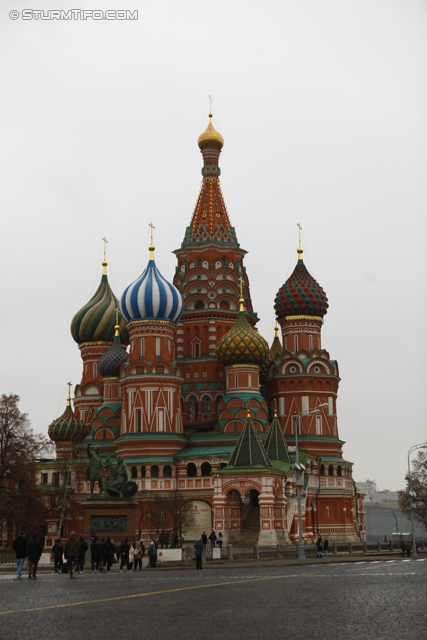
124, 554
212, 539
204, 538
319, 545
220, 540
198, 552
95, 554
72, 549
35, 549
152, 553
326, 548
19, 546
108, 554
403, 548
57, 551
82, 554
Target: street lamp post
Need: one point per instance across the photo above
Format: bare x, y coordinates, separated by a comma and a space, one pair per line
390, 511
423, 445
299, 479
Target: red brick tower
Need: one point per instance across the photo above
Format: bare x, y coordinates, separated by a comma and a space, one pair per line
210, 263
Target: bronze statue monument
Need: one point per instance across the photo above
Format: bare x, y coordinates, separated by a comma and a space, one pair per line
118, 483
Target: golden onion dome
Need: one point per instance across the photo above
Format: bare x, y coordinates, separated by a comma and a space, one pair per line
242, 344
210, 139
68, 428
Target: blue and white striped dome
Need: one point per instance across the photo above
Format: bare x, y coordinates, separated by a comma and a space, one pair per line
151, 296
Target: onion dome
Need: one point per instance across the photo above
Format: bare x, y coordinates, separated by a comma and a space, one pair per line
242, 344
210, 139
151, 296
95, 321
110, 362
68, 428
301, 295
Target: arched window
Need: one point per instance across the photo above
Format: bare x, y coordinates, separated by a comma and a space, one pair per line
206, 403
154, 471
222, 465
167, 471
192, 408
331, 470
133, 472
339, 473
191, 470
199, 305
322, 470
143, 472
88, 473
206, 469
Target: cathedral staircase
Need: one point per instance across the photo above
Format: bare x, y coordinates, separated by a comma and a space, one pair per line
249, 534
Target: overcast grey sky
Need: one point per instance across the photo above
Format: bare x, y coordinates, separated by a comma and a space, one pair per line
322, 105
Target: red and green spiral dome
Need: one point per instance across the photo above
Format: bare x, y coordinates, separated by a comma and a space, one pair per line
301, 295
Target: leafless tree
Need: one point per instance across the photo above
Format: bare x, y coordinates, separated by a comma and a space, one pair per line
418, 486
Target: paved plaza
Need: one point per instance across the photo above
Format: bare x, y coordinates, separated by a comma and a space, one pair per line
358, 600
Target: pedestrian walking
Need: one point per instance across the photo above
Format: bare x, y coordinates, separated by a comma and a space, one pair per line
35, 549
175, 540
72, 549
131, 557
403, 547
137, 557
408, 549
20, 546
212, 539
198, 552
57, 553
152, 553
319, 545
124, 554
109, 550
95, 554
204, 538
326, 548
220, 540
82, 554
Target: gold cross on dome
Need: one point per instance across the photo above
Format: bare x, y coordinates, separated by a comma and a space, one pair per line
117, 315
105, 248
210, 103
299, 232
241, 286
152, 227
69, 389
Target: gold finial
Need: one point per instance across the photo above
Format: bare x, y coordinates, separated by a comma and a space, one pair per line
274, 408
104, 262
117, 326
241, 299
276, 330
300, 250
151, 247
210, 105
69, 394
248, 409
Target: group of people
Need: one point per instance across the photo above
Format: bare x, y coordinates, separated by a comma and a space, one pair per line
322, 548
200, 545
71, 556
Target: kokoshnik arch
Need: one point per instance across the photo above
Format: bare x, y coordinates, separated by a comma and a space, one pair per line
178, 382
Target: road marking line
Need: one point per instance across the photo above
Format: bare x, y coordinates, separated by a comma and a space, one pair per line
152, 593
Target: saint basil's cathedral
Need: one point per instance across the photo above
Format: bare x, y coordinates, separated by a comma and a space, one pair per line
178, 382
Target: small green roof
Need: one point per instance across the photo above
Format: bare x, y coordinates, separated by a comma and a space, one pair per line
208, 450
275, 444
249, 451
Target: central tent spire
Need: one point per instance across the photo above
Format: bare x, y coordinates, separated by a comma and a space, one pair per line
210, 220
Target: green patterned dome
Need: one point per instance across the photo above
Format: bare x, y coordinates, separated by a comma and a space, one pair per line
242, 344
68, 428
301, 295
96, 320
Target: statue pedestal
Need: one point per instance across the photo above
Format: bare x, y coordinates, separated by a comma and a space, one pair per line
110, 517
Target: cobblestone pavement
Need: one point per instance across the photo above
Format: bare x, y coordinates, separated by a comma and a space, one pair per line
361, 600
